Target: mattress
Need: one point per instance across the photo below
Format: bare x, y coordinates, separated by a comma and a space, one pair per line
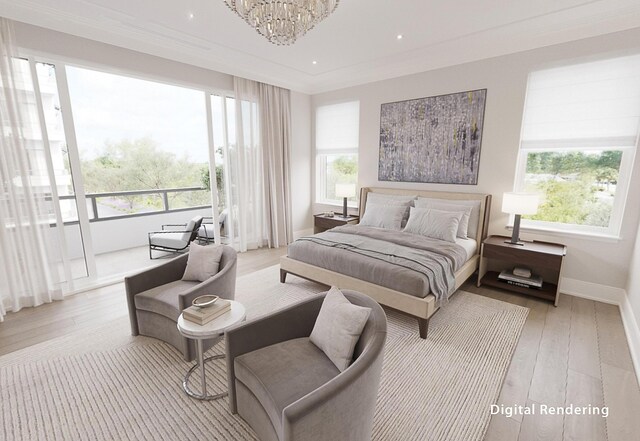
405, 262
470, 246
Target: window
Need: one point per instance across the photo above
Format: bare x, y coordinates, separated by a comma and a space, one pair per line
579, 137
337, 139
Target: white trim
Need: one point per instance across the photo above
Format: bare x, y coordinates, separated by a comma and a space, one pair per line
613, 296
632, 330
592, 291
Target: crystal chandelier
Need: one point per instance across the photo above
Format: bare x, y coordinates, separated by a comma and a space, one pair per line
282, 21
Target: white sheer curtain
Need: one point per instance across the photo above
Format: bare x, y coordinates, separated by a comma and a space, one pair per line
258, 167
28, 276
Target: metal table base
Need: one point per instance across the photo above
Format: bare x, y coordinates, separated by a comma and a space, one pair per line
201, 364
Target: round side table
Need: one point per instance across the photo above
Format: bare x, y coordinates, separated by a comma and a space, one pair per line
213, 329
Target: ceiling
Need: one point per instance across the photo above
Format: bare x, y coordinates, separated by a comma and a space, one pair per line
356, 44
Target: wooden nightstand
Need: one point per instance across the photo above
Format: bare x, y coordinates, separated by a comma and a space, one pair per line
323, 223
544, 258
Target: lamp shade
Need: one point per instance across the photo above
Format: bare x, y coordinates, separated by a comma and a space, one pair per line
345, 190
520, 203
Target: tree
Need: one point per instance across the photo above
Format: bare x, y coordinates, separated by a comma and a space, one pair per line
140, 165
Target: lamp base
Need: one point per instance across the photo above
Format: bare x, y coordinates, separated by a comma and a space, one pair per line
514, 243
344, 208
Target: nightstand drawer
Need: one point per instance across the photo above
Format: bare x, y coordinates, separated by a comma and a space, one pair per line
328, 223
522, 256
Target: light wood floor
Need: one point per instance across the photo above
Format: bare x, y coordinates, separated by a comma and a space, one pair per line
573, 354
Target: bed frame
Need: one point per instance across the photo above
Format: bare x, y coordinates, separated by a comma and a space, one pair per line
421, 308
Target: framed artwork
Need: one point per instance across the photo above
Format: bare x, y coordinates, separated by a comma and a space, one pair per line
432, 140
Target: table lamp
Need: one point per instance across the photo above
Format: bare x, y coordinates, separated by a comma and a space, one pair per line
519, 204
345, 191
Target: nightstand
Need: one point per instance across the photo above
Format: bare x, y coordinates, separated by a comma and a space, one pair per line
322, 222
544, 258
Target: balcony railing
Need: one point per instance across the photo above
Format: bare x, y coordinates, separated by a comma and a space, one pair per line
94, 214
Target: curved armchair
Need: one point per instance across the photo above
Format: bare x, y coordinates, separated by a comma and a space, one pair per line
156, 297
287, 389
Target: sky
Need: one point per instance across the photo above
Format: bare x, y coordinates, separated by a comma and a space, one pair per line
110, 108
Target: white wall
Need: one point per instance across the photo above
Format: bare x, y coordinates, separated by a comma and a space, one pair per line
633, 283
588, 260
301, 162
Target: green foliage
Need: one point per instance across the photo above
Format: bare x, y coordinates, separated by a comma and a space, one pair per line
140, 165
573, 184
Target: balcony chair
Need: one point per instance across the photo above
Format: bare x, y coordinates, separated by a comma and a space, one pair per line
206, 231
286, 388
174, 240
156, 298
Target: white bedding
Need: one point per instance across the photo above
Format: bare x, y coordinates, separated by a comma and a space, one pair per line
469, 245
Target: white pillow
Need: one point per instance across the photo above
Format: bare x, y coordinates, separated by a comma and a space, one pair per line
474, 218
338, 327
383, 216
465, 210
392, 199
203, 262
436, 224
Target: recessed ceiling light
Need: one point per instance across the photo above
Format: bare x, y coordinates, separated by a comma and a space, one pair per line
190, 15
399, 36
314, 62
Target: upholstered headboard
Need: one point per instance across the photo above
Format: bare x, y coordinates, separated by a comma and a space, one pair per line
485, 203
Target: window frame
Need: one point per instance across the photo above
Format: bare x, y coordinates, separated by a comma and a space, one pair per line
619, 201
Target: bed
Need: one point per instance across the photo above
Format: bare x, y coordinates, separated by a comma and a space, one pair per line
349, 257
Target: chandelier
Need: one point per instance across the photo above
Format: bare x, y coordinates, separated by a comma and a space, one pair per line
282, 21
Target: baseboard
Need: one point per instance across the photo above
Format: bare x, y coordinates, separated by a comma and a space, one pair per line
631, 328
592, 291
614, 296
298, 234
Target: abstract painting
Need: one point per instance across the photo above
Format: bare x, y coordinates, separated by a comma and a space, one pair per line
435, 139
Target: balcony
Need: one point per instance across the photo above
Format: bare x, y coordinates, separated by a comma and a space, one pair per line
119, 227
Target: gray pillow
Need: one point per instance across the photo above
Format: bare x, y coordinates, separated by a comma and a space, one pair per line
383, 216
436, 224
338, 328
445, 206
392, 199
474, 218
203, 262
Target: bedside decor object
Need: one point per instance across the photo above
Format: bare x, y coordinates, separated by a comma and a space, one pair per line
519, 204
282, 23
345, 191
435, 139
204, 301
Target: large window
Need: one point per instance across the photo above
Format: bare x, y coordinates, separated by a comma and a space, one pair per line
337, 139
579, 138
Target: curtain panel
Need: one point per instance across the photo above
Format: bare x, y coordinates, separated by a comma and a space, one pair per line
259, 168
28, 272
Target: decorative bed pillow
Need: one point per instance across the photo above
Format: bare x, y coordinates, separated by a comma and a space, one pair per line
465, 210
433, 223
474, 217
392, 199
338, 328
383, 216
203, 262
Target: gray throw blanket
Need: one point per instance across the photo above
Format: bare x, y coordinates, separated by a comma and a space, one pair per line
436, 260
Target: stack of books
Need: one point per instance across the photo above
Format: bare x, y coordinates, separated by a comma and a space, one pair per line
517, 278
202, 316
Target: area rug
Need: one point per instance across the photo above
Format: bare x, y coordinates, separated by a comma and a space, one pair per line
106, 385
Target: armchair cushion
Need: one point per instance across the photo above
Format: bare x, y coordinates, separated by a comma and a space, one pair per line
338, 328
164, 299
176, 240
203, 262
281, 374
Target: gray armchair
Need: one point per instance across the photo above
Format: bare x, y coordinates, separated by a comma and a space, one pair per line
287, 389
156, 298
